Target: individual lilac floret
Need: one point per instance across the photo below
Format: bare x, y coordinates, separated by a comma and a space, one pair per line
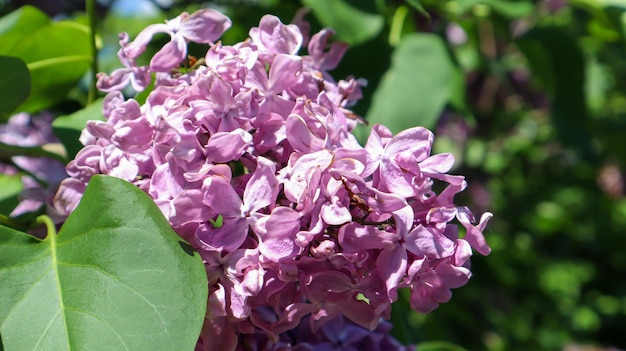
138, 77
203, 26
306, 235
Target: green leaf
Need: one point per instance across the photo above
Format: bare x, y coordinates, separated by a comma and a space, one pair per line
353, 24
417, 4
7, 151
14, 85
439, 346
116, 277
10, 188
622, 19
68, 128
57, 54
509, 9
20, 23
559, 64
421, 80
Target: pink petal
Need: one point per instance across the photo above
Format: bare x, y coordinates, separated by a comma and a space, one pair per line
416, 140
118, 80
137, 46
428, 241
473, 234
301, 137
262, 187
297, 181
134, 136
276, 37
392, 263
279, 241
336, 213
355, 237
440, 163
170, 55
205, 26
394, 179
292, 315
319, 43
228, 237
68, 196
238, 141
220, 196
284, 72
187, 208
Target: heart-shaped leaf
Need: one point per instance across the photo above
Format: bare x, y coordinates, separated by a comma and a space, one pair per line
116, 277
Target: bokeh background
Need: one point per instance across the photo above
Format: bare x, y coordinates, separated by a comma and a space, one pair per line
529, 96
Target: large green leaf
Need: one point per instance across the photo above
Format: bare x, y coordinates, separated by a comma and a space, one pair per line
18, 24
57, 53
14, 84
68, 128
116, 277
353, 24
421, 80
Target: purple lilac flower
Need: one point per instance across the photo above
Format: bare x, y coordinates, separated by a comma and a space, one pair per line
305, 234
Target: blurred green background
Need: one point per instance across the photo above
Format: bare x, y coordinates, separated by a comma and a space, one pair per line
530, 97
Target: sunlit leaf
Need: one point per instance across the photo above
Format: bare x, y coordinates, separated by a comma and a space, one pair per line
18, 24
421, 80
68, 128
57, 54
116, 277
353, 24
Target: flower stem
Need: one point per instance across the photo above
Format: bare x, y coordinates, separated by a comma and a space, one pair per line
47, 221
92, 16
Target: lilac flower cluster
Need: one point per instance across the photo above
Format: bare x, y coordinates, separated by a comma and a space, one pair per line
249, 154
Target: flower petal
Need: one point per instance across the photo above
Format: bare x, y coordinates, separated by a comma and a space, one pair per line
205, 26
170, 55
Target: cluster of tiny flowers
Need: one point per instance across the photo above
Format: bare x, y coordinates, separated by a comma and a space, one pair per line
305, 234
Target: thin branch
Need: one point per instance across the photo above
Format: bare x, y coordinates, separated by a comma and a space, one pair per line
92, 16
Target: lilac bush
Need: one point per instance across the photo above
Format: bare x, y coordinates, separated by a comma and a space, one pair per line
306, 235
